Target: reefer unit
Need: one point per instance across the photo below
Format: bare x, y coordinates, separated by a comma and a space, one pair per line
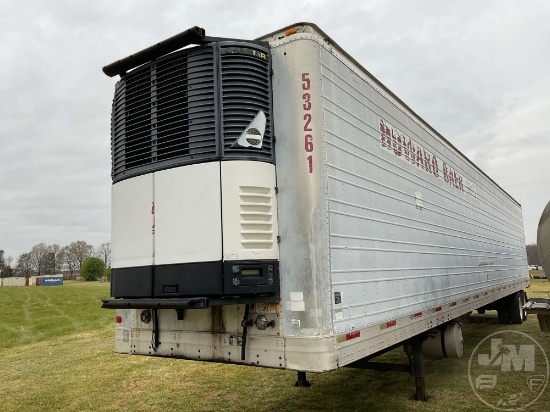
194, 211
274, 204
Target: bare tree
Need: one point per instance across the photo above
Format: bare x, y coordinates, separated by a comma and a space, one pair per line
69, 261
104, 253
9, 267
54, 261
532, 254
2, 264
79, 251
24, 265
39, 258
61, 259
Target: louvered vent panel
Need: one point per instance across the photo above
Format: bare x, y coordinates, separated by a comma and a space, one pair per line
164, 114
246, 89
256, 217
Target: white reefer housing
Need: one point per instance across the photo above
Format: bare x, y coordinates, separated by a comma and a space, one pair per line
385, 229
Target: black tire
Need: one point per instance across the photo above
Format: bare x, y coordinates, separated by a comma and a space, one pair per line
503, 316
516, 310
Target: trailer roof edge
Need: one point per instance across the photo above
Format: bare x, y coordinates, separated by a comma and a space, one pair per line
393, 95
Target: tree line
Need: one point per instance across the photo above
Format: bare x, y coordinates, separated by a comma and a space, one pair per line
533, 254
45, 259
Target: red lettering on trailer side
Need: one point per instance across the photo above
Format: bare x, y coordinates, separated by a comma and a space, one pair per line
427, 162
435, 166
406, 149
309, 143
419, 158
396, 138
385, 136
306, 105
307, 101
306, 84
307, 118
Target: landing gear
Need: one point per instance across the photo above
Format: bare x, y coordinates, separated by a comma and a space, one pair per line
302, 381
413, 349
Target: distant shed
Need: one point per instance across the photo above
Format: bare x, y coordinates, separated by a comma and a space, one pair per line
13, 281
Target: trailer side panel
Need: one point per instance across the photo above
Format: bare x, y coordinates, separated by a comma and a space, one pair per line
412, 225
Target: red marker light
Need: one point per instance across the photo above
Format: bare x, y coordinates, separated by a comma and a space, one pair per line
119, 319
353, 335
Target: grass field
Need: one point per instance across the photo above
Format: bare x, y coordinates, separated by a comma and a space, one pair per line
56, 354
537, 274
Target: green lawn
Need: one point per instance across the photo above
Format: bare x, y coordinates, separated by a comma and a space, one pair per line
537, 273
35, 314
56, 354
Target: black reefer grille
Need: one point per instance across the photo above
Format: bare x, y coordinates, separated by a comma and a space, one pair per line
190, 107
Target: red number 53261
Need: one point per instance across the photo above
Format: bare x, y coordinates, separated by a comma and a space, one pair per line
306, 105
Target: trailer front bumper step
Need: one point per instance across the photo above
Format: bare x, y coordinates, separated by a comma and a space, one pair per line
184, 303
195, 303
541, 308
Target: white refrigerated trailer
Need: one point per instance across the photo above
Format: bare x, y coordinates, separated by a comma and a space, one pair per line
274, 204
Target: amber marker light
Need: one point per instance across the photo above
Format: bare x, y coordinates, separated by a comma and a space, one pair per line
290, 32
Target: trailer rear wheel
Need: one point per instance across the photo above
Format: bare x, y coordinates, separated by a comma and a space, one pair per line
503, 316
503, 309
516, 308
523, 302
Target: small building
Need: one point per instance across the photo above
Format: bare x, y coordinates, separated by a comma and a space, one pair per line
13, 281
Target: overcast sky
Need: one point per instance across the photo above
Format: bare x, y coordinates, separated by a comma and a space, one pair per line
477, 71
